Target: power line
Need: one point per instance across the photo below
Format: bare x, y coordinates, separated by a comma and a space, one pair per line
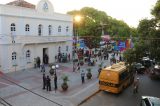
122, 37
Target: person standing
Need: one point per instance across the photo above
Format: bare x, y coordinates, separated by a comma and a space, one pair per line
74, 67
120, 58
99, 71
104, 56
43, 68
136, 85
38, 62
107, 55
69, 57
44, 81
82, 76
78, 66
55, 82
48, 82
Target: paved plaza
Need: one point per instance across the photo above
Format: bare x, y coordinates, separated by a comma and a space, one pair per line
24, 88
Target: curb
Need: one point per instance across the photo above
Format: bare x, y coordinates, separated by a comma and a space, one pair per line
88, 98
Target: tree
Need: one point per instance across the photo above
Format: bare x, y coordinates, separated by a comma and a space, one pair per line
146, 27
155, 11
92, 23
149, 31
129, 56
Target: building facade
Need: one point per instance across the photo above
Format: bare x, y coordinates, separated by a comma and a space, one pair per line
28, 32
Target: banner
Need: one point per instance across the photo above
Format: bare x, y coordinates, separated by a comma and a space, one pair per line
121, 45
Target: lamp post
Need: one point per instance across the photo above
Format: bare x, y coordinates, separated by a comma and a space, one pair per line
55, 67
76, 21
102, 26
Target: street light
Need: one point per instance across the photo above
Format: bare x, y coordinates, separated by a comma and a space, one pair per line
76, 21
55, 67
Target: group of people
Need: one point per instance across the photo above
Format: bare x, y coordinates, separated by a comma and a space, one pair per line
47, 82
37, 62
62, 57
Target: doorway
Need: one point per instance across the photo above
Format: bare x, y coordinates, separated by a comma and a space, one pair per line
45, 56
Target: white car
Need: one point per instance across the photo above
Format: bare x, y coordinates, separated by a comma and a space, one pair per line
150, 101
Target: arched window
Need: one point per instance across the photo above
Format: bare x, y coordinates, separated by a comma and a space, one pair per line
49, 30
28, 54
67, 29
14, 55
13, 27
59, 29
40, 30
27, 27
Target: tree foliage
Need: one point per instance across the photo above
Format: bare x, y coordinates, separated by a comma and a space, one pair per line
92, 22
155, 11
149, 31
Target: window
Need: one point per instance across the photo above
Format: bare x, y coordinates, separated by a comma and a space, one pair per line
67, 29
28, 54
123, 75
14, 56
27, 27
13, 27
49, 30
59, 29
40, 30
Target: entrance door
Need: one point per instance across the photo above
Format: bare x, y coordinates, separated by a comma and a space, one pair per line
45, 56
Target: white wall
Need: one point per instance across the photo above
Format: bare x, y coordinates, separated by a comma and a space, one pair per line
0, 26
33, 23
9, 10
35, 49
22, 16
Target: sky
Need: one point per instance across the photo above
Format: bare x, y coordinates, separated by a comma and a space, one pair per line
130, 11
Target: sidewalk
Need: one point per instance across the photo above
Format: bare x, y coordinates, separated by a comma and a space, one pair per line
32, 80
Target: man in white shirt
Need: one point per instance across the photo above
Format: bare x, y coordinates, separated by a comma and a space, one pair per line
83, 76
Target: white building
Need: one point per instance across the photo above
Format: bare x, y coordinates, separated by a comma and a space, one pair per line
28, 31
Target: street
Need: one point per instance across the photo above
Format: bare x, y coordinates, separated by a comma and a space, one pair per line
147, 87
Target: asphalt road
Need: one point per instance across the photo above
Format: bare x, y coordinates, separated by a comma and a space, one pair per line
147, 87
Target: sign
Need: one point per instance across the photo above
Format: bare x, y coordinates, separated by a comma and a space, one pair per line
121, 45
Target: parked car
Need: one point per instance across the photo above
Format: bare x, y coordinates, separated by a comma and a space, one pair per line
139, 68
147, 62
150, 101
155, 72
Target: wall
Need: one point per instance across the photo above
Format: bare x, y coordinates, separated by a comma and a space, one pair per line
31, 41
33, 23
